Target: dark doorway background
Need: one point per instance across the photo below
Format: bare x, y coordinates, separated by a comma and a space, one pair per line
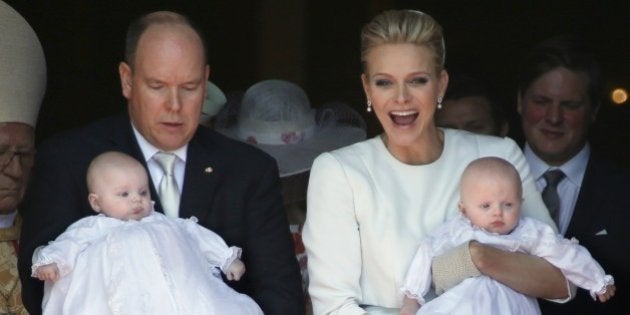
316, 44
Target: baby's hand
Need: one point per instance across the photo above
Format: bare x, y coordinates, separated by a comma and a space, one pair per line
48, 272
410, 306
235, 270
409, 309
610, 292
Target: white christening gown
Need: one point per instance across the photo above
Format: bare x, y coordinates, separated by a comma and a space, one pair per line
484, 295
157, 265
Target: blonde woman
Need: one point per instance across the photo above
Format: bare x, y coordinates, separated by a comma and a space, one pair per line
370, 204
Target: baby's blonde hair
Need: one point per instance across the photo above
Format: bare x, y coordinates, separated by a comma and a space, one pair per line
492, 166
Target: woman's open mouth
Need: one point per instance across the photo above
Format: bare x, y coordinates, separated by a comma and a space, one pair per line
403, 118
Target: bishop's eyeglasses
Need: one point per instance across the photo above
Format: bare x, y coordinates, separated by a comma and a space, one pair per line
7, 155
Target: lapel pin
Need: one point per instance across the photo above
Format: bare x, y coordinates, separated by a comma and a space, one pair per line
208, 170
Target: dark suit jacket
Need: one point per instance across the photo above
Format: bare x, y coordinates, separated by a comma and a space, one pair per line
603, 204
240, 200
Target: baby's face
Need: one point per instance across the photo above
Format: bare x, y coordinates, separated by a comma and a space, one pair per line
124, 194
492, 203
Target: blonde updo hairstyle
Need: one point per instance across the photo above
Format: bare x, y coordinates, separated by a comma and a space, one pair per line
404, 27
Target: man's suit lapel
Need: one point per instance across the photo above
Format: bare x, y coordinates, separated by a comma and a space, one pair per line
584, 219
200, 175
121, 138
200, 179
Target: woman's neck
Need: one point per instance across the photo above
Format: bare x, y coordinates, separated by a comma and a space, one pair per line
425, 150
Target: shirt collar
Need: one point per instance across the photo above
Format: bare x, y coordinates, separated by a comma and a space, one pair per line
573, 169
149, 150
7, 220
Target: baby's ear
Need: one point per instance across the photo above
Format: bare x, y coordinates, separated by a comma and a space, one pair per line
93, 199
460, 205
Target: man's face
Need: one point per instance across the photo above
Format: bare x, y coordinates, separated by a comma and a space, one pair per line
166, 87
556, 114
17, 150
471, 113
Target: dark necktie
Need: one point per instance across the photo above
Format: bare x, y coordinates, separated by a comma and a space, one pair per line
550, 193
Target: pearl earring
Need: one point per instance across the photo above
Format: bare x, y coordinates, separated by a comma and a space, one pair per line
369, 106
439, 103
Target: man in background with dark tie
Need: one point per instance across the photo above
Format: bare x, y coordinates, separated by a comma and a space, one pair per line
558, 100
231, 187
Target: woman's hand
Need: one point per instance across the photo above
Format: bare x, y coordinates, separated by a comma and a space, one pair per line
524, 273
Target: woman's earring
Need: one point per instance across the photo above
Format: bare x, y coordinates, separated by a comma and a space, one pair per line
369, 106
439, 104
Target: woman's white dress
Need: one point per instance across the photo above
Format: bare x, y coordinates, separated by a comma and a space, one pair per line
157, 265
483, 295
367, 213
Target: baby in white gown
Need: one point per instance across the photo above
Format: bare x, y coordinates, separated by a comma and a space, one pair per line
491, 197
129, 259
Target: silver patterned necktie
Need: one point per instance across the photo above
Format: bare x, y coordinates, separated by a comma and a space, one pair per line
168, 190
550, 193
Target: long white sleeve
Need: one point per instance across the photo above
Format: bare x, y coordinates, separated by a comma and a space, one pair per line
66, 247
334, 271
211, 245
574, 260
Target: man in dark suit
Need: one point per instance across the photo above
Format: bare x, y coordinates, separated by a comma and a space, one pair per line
558, 99
232, 188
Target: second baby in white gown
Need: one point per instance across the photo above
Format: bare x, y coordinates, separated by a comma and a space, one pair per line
491, 214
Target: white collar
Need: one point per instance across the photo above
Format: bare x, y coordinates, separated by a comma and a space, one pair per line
573, 169
7, 220
149, 150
